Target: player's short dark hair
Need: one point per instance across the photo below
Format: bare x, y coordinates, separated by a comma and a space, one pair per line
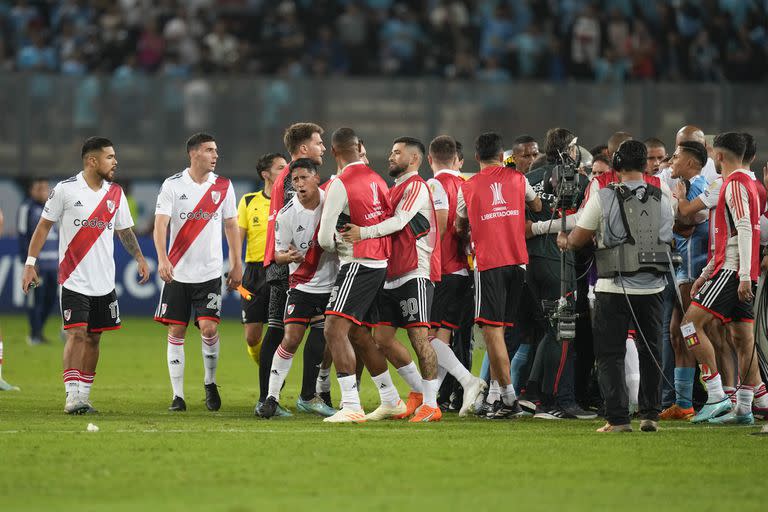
344, 139
653, 142
598, 150
443, 149
695, 149
733, 142
601, 158
750, 149
459, 151
298, 133
556, 142
199, 138
265, 161
616, 139
523, 139
303, 163
631, 155
488, 146
411, 142
95, 144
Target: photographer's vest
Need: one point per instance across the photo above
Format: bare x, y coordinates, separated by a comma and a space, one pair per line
631, 226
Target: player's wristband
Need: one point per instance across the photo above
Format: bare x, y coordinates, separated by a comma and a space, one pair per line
31, 260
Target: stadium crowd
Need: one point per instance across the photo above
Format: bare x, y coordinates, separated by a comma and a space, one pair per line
352, 260
496, 41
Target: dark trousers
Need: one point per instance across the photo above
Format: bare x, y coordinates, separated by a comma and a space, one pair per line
612, 319
461, 343
42, 300
553, 365
667, 354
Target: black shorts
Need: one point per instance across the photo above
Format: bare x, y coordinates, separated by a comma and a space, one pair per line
720, 296
450, 303
177, 300
96, 313
301, 307
255, 310
497, 295
353, 296
406, 306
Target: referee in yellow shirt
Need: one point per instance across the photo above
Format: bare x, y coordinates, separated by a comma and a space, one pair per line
252, 214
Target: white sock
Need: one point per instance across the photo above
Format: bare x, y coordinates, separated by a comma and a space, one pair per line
761, 396
323, 383
429, 390
441, 373
448, 360
730, 392
494, 392
211, 348
744, 397
176, 365
508, 394
281, 365
84, 385
411, 375
71, 381
349, 395
714, 385
632, 371
387, 390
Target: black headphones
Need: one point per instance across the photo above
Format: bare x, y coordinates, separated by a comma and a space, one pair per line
631, 154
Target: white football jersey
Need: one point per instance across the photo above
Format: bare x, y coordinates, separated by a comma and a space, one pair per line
297, 226
71, 203
180, 198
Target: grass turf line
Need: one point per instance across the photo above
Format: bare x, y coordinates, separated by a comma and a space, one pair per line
147, 458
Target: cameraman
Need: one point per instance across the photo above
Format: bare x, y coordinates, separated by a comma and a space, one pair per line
552, 369
633, 292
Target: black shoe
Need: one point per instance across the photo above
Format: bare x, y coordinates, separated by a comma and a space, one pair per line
573, 411
444, 406
506, 412
326, 397
269, 408
212, 397
549, 413
178, 404
484, 409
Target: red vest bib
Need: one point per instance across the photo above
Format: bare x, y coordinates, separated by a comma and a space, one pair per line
405, 257
495, 199
452, 257
368, 198
276, 204
723, 228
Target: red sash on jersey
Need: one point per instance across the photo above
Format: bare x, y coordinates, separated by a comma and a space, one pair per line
452, 256
210, 202
722, 228
88, 233
404, 241
306, 271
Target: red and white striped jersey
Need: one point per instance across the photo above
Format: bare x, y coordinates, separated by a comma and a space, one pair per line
196, 254
296, 226
87, 223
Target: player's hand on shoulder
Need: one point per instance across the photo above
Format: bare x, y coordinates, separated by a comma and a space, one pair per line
28, 277
165, 269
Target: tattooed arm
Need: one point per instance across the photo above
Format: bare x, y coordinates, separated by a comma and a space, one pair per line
131, 244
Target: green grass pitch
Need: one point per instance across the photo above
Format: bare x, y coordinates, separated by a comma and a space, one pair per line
145, 458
